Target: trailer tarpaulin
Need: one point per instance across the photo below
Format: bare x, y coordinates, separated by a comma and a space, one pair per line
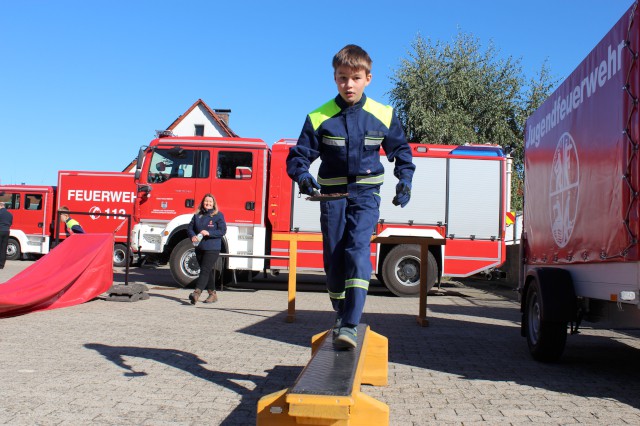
77, 270
581, 170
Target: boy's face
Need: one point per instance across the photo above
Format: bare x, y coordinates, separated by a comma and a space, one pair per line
351, 83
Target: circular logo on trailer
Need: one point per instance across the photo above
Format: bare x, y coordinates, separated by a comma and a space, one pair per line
95, 209
563, 189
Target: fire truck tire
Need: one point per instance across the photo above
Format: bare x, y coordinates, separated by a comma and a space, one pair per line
120, 255
401, 270
546, 339
13, 249
183, 264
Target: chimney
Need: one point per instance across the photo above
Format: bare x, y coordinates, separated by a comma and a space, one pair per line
223, 114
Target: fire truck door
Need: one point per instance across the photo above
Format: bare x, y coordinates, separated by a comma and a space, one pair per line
235, 183
29, 214
173, 173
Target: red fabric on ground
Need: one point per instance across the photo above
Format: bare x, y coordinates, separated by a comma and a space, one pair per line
77, 270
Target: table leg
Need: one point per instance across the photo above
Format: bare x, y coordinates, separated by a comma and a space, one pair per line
293, 261
424, 267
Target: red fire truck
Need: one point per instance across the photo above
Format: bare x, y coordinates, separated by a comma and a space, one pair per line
460, 191
107, 195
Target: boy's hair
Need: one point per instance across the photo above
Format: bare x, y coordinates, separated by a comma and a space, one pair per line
354, 57
63, 209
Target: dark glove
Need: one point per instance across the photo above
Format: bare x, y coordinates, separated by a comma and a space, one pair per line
403, 193
307, 184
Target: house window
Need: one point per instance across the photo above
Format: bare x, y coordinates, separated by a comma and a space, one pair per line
199, 130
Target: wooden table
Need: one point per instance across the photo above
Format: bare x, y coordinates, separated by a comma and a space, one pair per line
293, 262
424, 241
388, 236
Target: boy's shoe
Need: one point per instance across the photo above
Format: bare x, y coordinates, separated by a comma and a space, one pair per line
336, 327
347, 338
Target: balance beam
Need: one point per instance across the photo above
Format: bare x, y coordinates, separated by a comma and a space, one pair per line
327, 391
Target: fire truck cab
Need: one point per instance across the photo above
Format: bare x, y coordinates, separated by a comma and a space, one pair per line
173, 176
32, 207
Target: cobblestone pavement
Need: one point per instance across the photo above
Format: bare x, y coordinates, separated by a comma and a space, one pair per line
163, 361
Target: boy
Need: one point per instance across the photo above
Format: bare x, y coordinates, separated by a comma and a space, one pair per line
72, 226
347, 133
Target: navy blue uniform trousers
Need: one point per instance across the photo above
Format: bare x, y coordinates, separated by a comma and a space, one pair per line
347, 225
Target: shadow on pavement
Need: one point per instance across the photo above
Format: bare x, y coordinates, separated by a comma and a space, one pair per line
473, 341
276, 379
459, 346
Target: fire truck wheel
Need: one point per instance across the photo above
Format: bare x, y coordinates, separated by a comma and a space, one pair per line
183, 264
120, 255
401, 270
546, 339
13, 249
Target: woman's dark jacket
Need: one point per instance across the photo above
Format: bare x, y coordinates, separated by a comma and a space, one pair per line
215, 225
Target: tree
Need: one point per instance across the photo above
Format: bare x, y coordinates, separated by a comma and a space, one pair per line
457, 93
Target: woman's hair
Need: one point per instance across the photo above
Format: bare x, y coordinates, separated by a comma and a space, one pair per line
202, 210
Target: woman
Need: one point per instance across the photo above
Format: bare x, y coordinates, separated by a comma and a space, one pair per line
206, 229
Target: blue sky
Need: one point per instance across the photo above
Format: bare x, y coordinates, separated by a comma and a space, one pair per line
83, 84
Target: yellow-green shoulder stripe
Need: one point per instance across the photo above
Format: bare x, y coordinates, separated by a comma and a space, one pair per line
384, 113
323, 113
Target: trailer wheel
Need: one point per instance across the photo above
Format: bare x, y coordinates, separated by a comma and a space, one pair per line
546, 339
183, 263
120, 255
401, 270
13, 249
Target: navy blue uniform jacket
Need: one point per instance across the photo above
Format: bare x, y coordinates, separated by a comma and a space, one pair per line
348, 139
215, 225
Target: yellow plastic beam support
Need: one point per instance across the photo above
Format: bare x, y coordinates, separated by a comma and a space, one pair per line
365, 411
375, 370
284, 408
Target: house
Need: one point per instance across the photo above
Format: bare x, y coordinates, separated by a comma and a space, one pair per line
198, 120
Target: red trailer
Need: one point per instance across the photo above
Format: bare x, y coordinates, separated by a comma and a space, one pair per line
581, 210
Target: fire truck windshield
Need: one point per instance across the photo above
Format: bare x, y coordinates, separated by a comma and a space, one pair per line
169, 164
